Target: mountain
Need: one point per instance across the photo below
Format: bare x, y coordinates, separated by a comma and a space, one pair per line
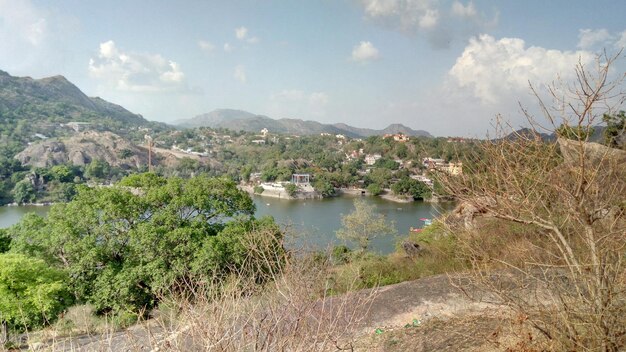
57, 100
242, 120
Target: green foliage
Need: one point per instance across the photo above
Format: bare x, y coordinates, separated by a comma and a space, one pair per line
577, 133
365, 270
374, 189
382, 177
291, 189
615, 131
387, 164
340, 254
125, 153
123, 248
31, 292
24, 192
62, 173
258, 189
364, 224
324, 187
97, 169
411, 187
5, 241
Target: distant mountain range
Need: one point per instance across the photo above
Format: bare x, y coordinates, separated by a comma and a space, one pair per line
239, 120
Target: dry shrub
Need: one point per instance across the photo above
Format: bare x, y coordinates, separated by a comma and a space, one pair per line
289, 312
570, 280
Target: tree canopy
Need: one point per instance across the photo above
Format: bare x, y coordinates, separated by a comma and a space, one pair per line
123, 245
363, 224
31, 292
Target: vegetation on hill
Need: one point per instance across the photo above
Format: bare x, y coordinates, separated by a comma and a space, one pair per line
32, 109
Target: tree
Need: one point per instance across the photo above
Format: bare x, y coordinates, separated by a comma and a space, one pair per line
31, 292
62, 173
24, 192
411, 187
363, 224
374, 189
615, 132
97, 169
125, 153
387, 164
577, 133
324, 186
291, 189
124, 246
570, 196
5, 241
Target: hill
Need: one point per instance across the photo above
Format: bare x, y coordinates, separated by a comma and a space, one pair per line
82, 148
32, 109
245, 121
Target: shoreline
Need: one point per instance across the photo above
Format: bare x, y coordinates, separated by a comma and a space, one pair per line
340, 192
44, 204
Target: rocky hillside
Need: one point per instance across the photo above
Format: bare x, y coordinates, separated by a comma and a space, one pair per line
84, 147
58, 100
242, 120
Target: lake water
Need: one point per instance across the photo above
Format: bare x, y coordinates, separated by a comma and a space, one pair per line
312, 222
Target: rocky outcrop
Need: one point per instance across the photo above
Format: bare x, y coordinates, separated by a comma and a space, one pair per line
84, 147
594, 153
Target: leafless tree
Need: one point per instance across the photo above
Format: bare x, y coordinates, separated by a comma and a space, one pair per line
570, 194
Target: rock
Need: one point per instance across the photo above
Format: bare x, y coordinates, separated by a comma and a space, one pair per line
411, 248
82, 148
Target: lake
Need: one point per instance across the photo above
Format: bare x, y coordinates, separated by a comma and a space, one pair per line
312, 222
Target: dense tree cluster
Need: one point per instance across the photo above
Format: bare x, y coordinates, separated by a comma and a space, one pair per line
123, 247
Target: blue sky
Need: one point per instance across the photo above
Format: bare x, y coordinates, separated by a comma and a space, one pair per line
444, 66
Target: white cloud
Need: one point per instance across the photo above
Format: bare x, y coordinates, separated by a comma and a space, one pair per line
364, 52
588, 38
497, 70
460, 10
240, 73
135, 72
438, 23
429, 19
621, 42
206, 46
296, 103
228, 48
242, 34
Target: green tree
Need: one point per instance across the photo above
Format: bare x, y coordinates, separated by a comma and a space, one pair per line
291, 189
411, 187
387, 164
324, 187
62, 173
125, 153
97, 169
374, 189
24, 192
31, 292
123, 247
577, 133
5, 241
363, 224
615, 132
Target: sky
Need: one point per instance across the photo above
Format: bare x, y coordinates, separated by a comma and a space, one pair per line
448, 67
